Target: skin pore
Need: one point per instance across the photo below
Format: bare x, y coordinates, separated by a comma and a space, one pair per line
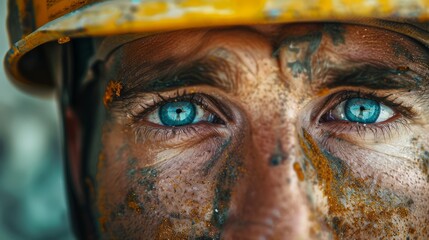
270, 160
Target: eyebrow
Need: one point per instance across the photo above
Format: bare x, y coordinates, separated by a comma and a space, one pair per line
209, 70
374, 77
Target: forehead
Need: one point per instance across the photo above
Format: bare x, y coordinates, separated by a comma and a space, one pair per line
343, 47
376, 42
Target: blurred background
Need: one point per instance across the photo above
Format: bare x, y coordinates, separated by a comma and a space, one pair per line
32, 189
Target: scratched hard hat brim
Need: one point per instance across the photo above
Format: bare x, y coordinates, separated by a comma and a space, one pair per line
105, 18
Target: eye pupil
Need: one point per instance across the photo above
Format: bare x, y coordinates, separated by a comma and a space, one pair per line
362, 110
177, 113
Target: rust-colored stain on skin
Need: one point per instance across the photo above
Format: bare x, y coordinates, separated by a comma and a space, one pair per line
325, 174
166, 231
352, 206
132, 202
298, 171
323, 92
113, 89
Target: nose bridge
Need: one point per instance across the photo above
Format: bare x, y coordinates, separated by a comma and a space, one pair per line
268, 202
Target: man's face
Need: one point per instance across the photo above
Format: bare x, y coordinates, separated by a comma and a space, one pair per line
307, 131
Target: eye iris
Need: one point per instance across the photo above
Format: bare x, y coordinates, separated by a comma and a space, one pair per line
177, 113
362, 110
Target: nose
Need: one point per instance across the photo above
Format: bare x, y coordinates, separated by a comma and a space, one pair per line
269, 200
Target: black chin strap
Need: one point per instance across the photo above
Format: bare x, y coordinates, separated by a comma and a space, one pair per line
74, 58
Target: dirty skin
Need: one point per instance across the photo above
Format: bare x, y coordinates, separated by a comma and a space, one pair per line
353, 205
143, 196
278, 156
225, 183
184, 188
300, 49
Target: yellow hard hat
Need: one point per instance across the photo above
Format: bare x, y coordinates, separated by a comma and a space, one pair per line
35, 26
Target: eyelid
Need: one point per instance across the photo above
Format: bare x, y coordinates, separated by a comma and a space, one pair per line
352, 132
145, 130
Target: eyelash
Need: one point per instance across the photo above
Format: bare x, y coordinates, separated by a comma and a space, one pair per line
403, 114
163, 132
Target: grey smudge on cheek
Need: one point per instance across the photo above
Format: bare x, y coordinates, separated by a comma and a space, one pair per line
226, 180
216, 156
148, 179
132, 162
424, 165
121, 152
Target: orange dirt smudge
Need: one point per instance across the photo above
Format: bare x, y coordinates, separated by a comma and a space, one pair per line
113, 89
298, 171
132, 202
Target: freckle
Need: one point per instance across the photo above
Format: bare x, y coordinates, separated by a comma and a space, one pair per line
298, 171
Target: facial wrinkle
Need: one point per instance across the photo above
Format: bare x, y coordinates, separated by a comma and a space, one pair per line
354, 207
216, 157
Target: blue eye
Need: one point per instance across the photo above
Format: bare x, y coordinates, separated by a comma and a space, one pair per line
360, 110
177, 113
181, 113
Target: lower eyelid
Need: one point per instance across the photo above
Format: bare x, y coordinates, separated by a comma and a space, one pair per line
177, 135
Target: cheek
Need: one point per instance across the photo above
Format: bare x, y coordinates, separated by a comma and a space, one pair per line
166, 189
364, 199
